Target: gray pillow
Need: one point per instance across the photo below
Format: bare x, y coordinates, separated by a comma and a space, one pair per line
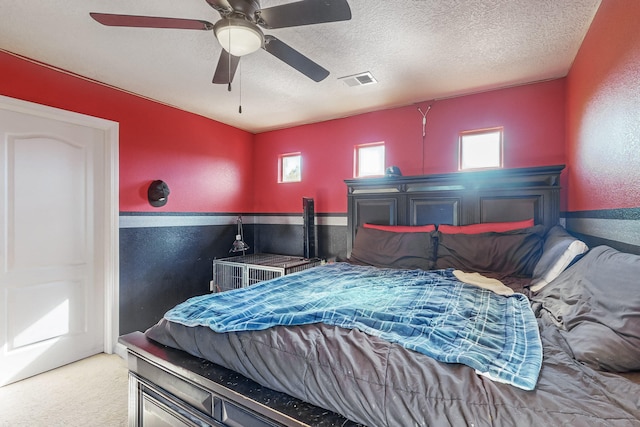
559, 250
596, 303
509, 253
393, 250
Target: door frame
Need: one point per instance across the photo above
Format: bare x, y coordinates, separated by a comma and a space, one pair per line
110, 192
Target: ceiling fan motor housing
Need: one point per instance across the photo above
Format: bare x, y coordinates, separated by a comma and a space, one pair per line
247, 9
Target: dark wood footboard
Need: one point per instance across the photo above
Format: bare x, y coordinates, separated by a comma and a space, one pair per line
170, 387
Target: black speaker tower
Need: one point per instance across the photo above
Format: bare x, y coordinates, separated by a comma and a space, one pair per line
309, 227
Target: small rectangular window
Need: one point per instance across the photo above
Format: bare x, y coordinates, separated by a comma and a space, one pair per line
369, 160
480, 149
290, 168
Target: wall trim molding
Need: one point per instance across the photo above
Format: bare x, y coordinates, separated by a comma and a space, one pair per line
619, 228
147, 220
191, 219
619, 213
616, 230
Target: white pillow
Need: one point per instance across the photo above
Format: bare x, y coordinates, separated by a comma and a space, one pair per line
560, 248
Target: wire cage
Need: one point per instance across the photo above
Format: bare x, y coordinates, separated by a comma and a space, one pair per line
246, 270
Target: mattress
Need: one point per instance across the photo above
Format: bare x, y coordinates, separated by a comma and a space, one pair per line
376, 382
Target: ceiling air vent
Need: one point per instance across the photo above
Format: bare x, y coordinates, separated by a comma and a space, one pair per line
360, 79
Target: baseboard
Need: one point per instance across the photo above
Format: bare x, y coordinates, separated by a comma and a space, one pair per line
120, 350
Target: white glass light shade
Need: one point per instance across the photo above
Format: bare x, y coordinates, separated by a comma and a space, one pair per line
238, 37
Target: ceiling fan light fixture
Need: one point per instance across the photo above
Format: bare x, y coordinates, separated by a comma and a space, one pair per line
238, 37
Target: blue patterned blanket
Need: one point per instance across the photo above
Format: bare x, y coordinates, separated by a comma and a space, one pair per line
426, 311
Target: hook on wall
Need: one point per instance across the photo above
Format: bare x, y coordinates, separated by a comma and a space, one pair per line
424, 130
424, 119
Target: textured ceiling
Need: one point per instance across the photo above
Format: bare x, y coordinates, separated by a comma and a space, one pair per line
417, 50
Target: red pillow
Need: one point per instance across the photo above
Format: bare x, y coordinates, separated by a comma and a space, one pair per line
403, 228
485, 227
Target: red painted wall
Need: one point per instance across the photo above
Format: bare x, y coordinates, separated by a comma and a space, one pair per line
206, 164
212, 167
603, 112
533, 117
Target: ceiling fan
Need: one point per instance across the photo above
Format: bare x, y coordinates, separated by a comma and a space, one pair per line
238, 31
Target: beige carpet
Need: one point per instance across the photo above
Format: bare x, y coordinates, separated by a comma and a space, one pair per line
90, 392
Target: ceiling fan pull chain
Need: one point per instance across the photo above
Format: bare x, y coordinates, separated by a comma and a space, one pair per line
240, 91
229, 61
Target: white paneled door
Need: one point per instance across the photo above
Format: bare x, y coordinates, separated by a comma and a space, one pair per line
52, 219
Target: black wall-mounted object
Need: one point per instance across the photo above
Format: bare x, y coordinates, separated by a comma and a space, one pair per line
158, 193
309, 227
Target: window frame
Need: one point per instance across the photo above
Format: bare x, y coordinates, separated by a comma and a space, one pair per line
281, 168
474, 132
356, 159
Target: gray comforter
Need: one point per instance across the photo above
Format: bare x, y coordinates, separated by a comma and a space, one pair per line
376, 383
431, 312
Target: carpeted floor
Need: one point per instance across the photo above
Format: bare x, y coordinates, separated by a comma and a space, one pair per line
90, 392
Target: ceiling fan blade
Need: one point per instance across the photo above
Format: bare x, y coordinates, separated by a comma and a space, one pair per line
226, 69
221, 6
290, 56
304, 12
114, 20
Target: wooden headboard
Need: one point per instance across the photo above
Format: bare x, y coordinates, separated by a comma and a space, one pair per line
458, 198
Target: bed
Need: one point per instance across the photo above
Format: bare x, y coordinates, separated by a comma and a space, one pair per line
463, 302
